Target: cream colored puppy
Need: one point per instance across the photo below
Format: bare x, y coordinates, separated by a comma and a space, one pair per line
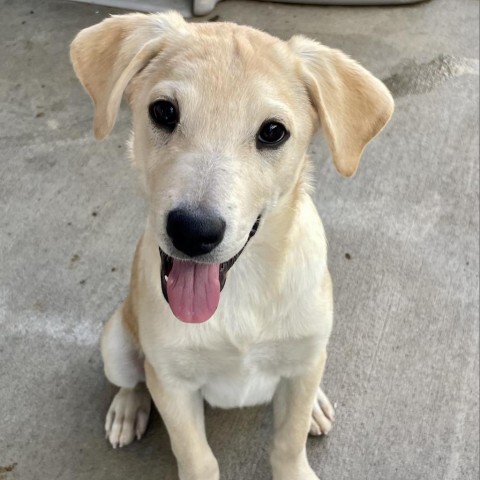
230, 298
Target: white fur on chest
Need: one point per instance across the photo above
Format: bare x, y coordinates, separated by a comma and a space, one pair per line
229, 377
237, 358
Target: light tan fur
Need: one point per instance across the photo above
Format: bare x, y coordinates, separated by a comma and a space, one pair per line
268, 338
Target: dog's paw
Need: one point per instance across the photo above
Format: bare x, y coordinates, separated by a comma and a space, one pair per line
323, 415
128, 415
293, 471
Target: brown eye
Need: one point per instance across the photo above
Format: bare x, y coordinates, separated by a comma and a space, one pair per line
271, 134
164, 114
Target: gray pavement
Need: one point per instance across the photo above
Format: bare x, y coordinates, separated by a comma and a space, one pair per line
404, 255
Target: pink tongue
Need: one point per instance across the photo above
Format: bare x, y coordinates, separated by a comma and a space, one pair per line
193, 290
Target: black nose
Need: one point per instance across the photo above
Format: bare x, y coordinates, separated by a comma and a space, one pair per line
195, 232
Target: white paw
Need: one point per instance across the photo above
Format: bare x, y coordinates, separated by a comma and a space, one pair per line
127, 416
296, 471
323, 415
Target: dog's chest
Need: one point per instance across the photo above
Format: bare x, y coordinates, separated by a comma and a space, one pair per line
229, 376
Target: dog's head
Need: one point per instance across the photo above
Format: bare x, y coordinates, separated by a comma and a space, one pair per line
222, 118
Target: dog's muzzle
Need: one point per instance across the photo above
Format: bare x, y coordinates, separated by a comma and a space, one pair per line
167, 263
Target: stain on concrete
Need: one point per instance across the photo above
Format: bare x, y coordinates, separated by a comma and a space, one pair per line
416, 78
39, 307
5, 469
74, 260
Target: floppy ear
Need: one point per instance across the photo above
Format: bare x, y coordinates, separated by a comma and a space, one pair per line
353, 105
106, 57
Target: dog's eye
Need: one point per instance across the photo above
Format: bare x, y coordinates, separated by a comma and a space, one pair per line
271, 134
164, 114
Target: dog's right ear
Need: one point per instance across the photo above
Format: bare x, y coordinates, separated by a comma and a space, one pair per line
353, 106
107, 56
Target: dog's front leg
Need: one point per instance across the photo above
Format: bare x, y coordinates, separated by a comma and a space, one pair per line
183, 414
292, 408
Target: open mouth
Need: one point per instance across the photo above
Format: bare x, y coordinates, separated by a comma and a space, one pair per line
193, 288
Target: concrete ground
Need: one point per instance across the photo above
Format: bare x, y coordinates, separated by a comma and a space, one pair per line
404, 256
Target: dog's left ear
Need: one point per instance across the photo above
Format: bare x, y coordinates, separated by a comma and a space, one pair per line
108, 55
353, 106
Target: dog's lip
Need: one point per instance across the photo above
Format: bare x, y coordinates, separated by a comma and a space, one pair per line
167, 262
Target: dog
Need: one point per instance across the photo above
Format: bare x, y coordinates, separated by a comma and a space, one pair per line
230, 297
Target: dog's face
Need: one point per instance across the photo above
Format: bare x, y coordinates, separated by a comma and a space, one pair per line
222, 119
221, 128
